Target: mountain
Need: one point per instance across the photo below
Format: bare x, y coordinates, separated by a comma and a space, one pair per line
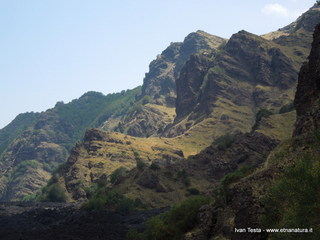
283, 191
159, 86
194, 93
42, 141
220, 92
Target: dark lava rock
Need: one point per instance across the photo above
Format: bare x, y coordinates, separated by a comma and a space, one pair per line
52, 221
308, 90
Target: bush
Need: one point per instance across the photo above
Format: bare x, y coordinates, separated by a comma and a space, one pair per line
222, 193
184, 177
224, 142
293, 201
287, 108
117, 174
140, 165
53, 193
23, 167
262, 113
146, 99
104, 199
236, 175
154, 166
174, 223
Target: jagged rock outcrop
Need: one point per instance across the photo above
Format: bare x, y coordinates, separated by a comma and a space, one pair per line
308, 91
250, 73
159, 85
243, 207
160, 80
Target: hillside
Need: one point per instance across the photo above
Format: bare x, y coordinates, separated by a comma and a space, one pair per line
195, 92
43, 140
283, 192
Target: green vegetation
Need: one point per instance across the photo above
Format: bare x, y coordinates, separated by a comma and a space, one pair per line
154, 166
15, 128
117, 174
22, 168
184, 177
140, 164
92, 109
102, 198
224, 142
146, 99
53, 193
287, 108
262, 113
236, 175
222, 191
173, 223
293, 201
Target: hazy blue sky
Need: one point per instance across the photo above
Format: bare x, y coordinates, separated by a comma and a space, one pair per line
56, 50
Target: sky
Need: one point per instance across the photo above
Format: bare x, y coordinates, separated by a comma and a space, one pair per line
56, 50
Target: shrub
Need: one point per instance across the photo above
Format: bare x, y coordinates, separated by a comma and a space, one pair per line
222, 194
174, 223
104, 199
236, 175
136, 154
23, 167
224, 142
262, 113
140, 164
287, 108
53, 193
146, 99
184, 177
154, 166
293, 200
117, 174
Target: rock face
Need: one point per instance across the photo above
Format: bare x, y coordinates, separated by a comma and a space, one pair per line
160, 80
159, 85
242, 207
248, 74
308, 90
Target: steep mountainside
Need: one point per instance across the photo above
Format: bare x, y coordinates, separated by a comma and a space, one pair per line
307, 95
159, 86
283, 192
195, 92
32, 156
18, 125
248, 74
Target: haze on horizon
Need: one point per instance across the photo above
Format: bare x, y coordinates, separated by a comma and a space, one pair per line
57, 50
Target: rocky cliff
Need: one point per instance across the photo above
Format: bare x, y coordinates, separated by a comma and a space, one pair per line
243, 204
159, 86
308, 90
249, 73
